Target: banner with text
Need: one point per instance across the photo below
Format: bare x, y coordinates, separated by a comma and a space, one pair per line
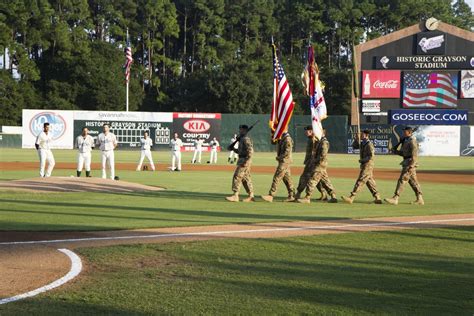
61, 127
467, 84
191, 126
381, 84
428, 117
127, 126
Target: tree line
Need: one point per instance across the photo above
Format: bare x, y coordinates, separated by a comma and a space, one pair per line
189, 55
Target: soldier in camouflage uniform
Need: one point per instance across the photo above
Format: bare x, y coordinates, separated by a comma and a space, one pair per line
319, 172
311, 146
410, 162
242, 172
282, 172
366, 175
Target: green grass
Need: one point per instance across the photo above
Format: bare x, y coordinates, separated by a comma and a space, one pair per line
197, 198
410, 272
260, 159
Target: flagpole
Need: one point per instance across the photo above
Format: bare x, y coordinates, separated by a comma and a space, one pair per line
127, 85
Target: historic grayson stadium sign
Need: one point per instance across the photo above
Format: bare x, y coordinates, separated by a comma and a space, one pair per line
424, 62
428, 117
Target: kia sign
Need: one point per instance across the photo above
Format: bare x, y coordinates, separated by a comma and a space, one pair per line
381, 84
60, 126
191, 126
428, 117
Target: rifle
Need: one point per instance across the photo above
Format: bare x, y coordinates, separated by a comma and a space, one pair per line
231, 146
402, 139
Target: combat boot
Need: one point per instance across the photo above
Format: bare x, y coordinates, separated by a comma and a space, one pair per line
333, 199
349, 199
251, 198
378, 200
419, 200
233, 198
323, 197
290, 198
267, 198
393, 201
305, 200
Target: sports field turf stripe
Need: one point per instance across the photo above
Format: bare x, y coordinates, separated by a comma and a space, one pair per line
230, 232
76, 268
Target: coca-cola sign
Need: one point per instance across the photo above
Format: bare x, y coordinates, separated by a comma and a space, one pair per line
380, 84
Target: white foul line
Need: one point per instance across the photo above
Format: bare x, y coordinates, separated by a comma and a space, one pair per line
230, 232
76, 268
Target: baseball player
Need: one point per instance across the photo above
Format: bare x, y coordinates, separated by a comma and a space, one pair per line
233, 154
242, 172
197, 150
409, 152
107, 142
367, 163
84, 144
146, 144
176, 145
42, 144
214, 144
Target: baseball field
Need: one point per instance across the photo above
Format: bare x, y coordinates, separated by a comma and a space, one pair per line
168, 243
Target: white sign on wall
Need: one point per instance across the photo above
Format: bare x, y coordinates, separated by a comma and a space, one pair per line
370, 106
61, 127
439, 140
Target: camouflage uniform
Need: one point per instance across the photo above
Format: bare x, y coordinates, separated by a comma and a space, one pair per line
410, 158
311, 146
319, 172
282, 172
366, 175
242, 172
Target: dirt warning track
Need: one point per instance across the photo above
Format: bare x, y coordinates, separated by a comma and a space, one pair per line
458, 177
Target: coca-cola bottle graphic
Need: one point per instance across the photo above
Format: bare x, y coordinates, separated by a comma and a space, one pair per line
367, 85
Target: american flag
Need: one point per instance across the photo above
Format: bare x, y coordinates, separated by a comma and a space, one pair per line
128, 60
429, 90
314, 90
282, 104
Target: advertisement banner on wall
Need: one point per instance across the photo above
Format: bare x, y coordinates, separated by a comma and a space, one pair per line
467, 141
370, 106
127, 126
467, 84
381, 84
61, 127
383, 137
430, 89
191, 126
428, 117
439, 140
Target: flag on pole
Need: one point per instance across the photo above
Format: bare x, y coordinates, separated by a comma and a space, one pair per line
282, 104
128, 60
314, 89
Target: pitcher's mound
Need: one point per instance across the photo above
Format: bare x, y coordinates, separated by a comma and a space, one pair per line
74, 184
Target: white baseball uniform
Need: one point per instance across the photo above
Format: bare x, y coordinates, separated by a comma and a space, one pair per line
107, 145
176, 145
145, 151
214, 145
198, 150
233, 154
84, 146
45, 154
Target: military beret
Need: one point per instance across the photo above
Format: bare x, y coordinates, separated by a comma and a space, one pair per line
243, 126
408, 128
308, 128
366, 131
